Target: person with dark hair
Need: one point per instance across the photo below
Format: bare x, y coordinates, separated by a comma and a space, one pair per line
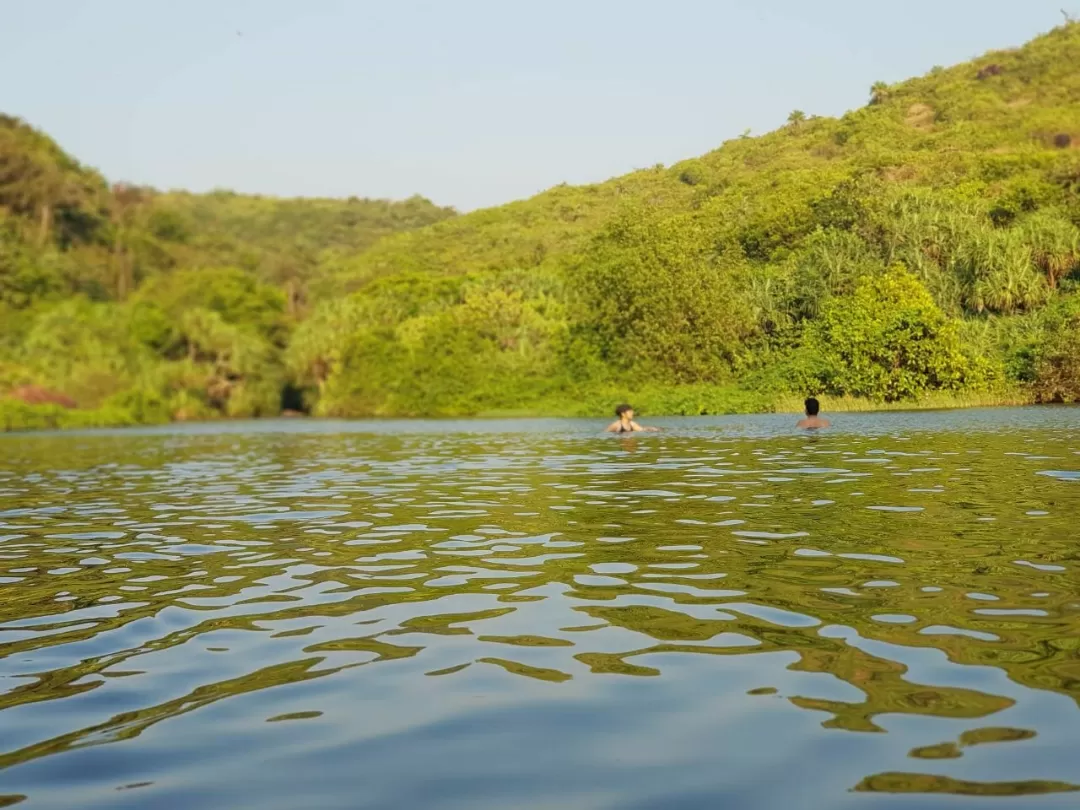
812, 420
626, 424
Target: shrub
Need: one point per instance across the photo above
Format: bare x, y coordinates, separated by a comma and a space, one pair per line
1057, 358
888, 341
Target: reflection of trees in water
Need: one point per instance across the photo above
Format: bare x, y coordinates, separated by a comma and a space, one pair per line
928, 783
420, 527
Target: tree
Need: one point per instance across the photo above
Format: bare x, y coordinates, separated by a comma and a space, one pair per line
128, 203
1057, 367
1057, 356
887, 341
26, 276
653, 299
796, 117
237, 296
242, 375
316, 349
42, 183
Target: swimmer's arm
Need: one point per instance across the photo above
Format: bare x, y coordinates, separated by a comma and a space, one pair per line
646, 429
612, 428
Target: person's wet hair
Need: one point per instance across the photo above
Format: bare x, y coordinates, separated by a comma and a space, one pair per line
624, 408
812, 406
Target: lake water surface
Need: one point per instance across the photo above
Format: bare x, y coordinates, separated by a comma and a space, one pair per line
527, 614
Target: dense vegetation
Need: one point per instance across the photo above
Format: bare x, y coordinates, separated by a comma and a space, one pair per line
926, 244
140, 306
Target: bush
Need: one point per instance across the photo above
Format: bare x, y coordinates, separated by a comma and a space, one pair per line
653, 300
888, 341
17, 415
1057, 358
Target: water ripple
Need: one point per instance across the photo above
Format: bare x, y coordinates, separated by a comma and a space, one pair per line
446, 616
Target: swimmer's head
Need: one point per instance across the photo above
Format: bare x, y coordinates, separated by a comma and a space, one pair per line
812, 406
625, 410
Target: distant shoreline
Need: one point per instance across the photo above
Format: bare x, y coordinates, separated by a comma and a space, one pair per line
18, 417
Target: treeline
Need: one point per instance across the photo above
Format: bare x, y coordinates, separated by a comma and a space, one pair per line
926, 244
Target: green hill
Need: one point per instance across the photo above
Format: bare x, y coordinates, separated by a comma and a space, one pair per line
138, 305
923, 246
926, 242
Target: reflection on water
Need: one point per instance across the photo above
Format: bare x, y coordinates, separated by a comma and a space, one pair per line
335, 616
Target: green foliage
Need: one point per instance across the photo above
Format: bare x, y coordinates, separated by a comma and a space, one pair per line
829, 263
694, 400
17, 415
926, 244
86, 350
472, 347
879, 92
1054, 243
1057, 357
56, 198
887, 341
25, 275
236, 296
142, 306
652, 298
282, 242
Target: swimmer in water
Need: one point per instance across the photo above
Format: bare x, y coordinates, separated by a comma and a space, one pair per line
812, 420
626, 424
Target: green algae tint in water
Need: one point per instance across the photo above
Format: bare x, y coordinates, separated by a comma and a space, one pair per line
529, 615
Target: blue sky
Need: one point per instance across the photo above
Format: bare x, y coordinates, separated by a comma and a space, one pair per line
468, 102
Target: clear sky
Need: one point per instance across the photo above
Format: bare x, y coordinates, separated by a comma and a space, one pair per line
468, 102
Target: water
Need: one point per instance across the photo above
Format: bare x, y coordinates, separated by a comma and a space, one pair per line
529, 615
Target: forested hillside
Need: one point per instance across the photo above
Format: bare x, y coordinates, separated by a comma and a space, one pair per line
927, 244
123, 304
